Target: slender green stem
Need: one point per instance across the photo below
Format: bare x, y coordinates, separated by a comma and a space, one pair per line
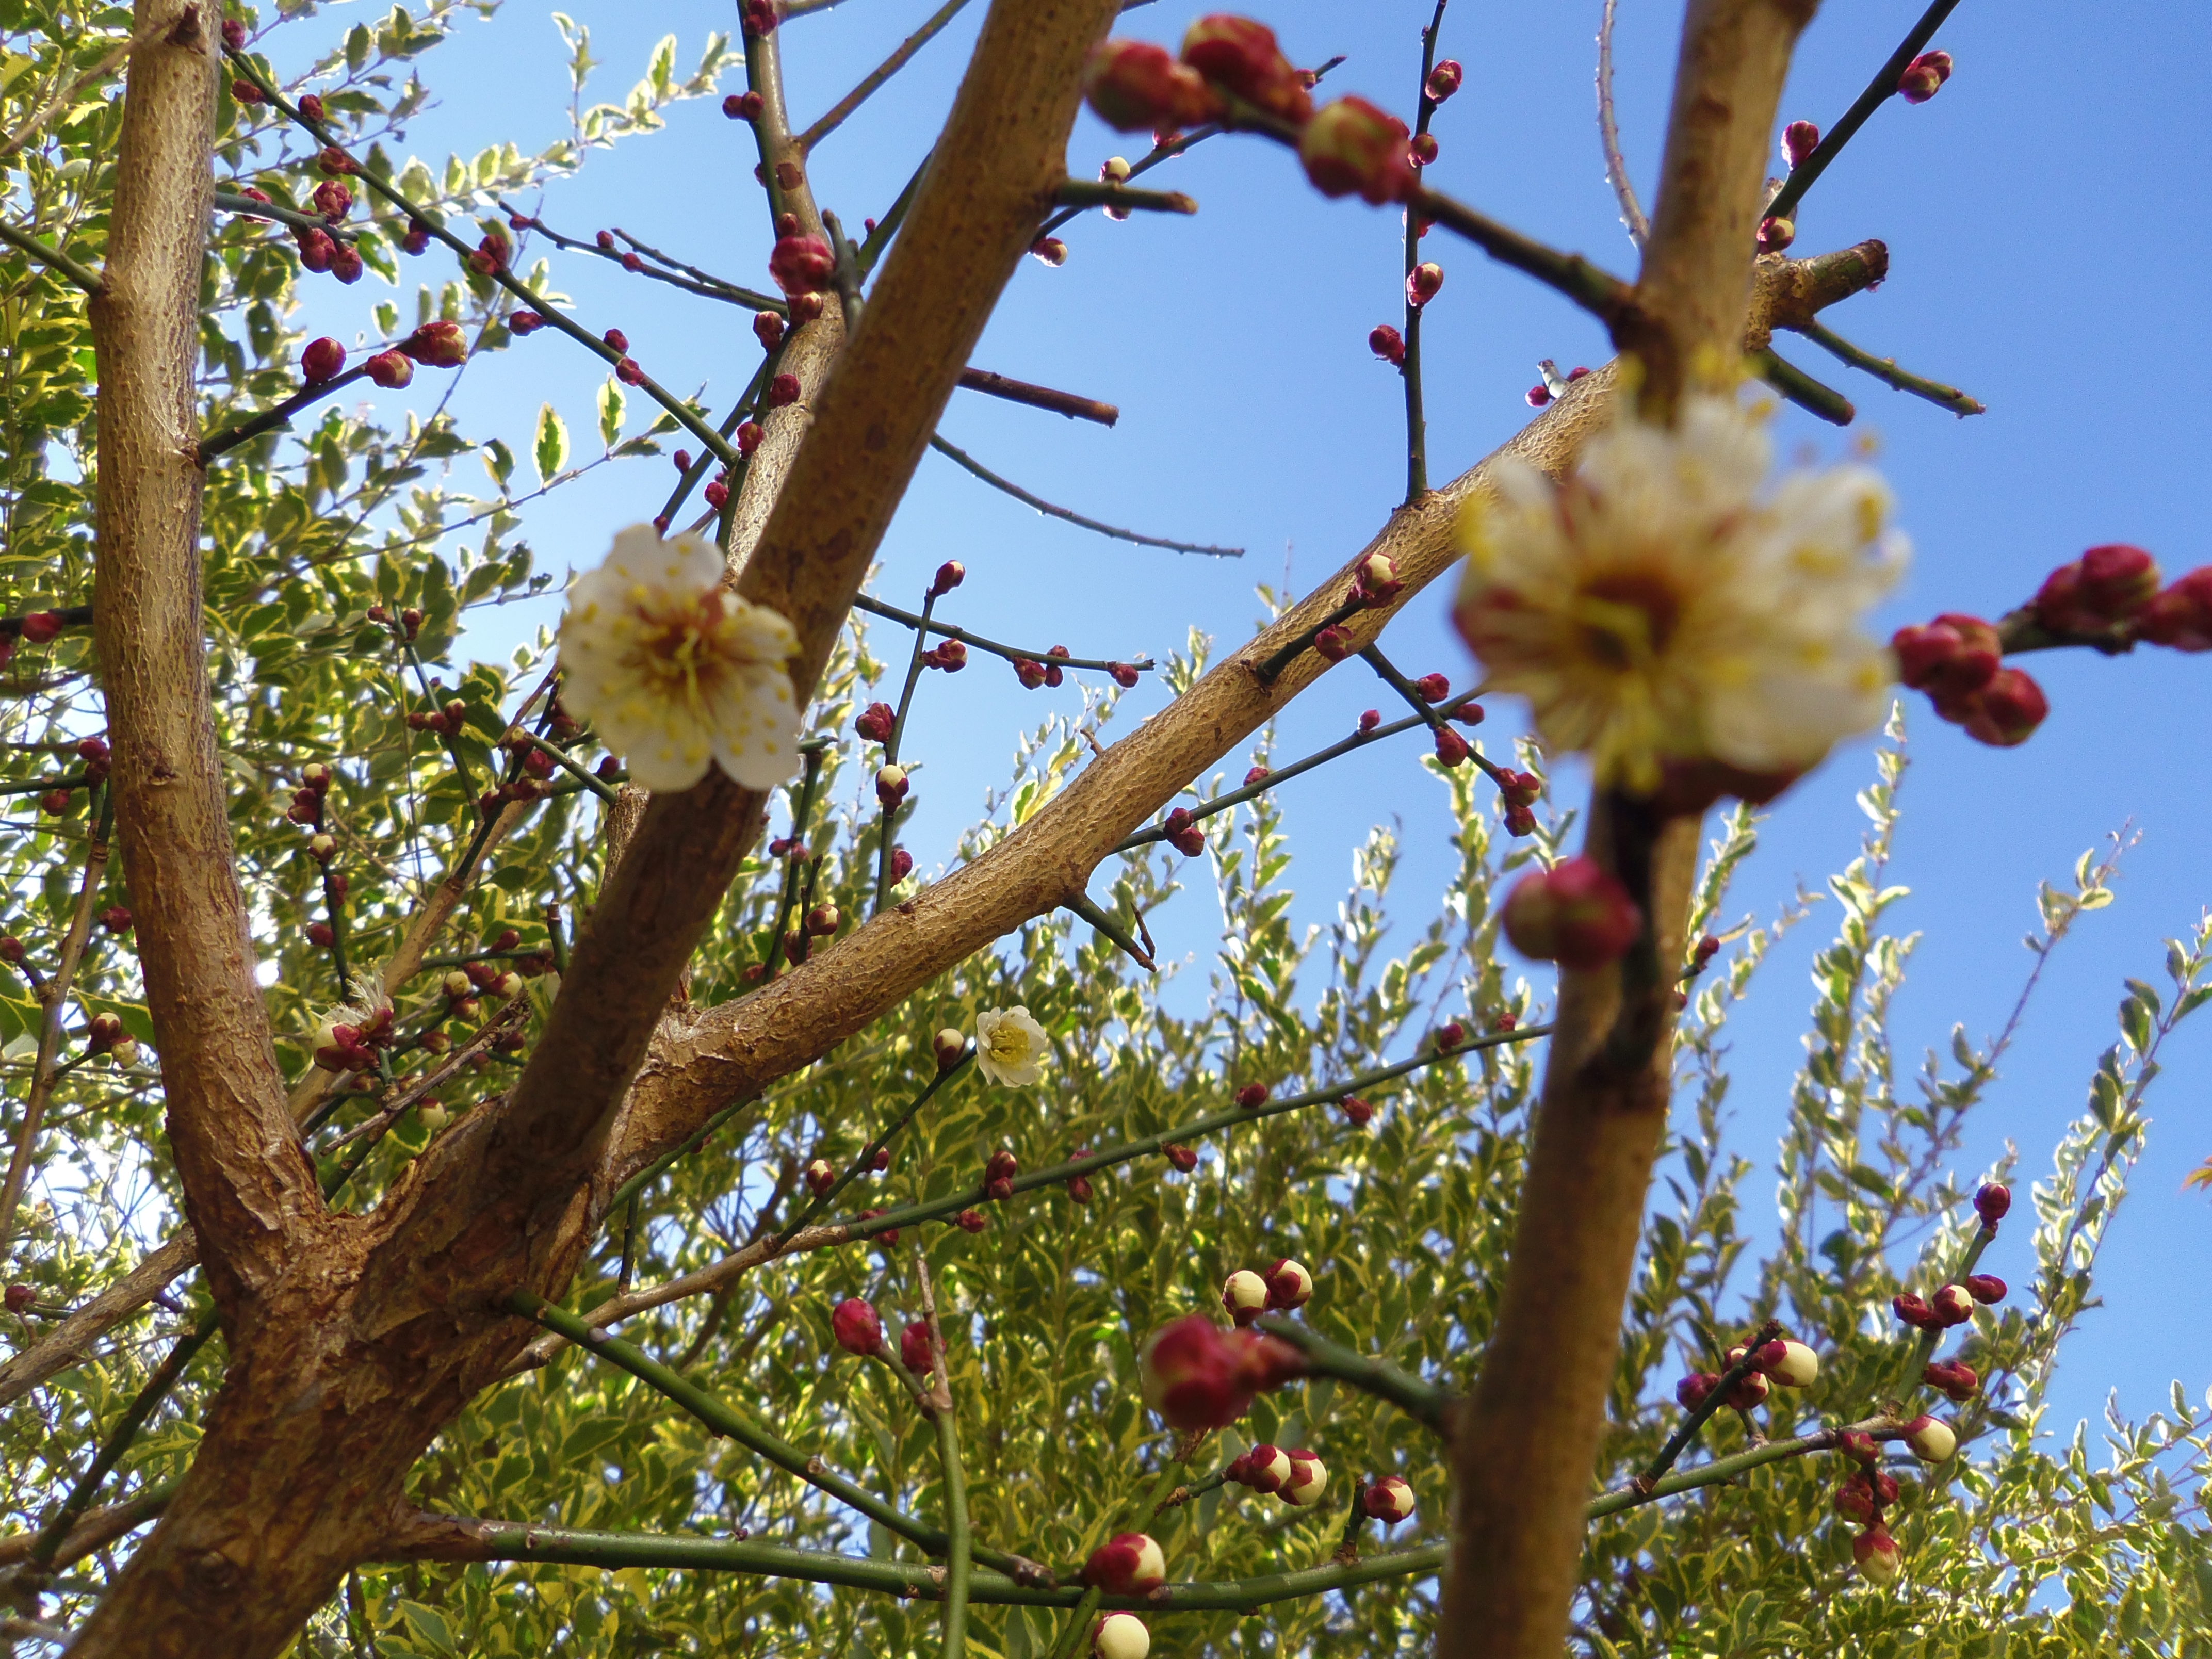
1716, 1396
1886, 370
1180, 1451
279, 416
833, 117
574, 769
118, 1442
1879, 91
957, 1557
1920, 1351
872, 249
1081, 905
866, 1160
1379, 1378
1813, 396
53, 258
230, 202
961, 457
801, 814
637, 1183
889, 819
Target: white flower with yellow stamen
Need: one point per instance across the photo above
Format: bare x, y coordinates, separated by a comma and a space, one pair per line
1010, 1047
1662, 606
674, 671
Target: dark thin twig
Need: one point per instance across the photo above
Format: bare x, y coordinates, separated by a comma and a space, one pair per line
1886, 370
888, 821
834, 116
270, 420
880, 235
1715, 1397
1012, 654
1417, 425
1082, 905
800, 814
1813, 396
72, 616
1616, 164
247, 207
1039, 396
692, 280
1879, 92
1435, 714
867, 1159
53, 258
961, 457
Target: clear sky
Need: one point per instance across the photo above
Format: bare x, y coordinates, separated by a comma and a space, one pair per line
2041, 257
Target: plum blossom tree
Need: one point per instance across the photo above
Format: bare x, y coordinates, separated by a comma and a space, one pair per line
443, 1094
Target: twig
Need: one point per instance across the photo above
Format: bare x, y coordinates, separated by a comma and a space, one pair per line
280, 415
1879, 91
799, 817
833, 117
703, 283
1039, 396
888, 821
1886, 370
972, 464
1081, 904
1715, 1398
1011, 652
55, 995
1103, 193
879, 239
1616, 166
561, 758
247, 206
1379, 1378
637, 1183
53, 258
866, 1160
1810, 395
962, 1544
1417, 424
72, 616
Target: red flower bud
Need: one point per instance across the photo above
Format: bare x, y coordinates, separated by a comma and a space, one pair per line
418, 238
805, 308
233, 34
1256, 774
2004, 713
332, 199
951, 656
717, 494
1538, 395
1134, 86
316, 249
1986, 1288
438, 346
1130, 1564
1952, 1305
1357, 1112
1078, 1189
1290, 1286
1264, 1469
1125, 675
760, 16
628, 373
335, 161
246, 93
1423, 150
1855, 1499
1191, 1375
949, 1047
916, 1352
1451, 748
1029, 672
1002, 1165
345, 263
1877, 1555
1914, 1312
1799, 140
1252, 1095
901, 863
783, 390
1190, 842
1923, 76
1443, 80
311, 105
320, 934
116, 919
950, 575
1183, 1157
749, 436
1423, 283
1245, 1294
55, 802
971, 1221
11, 948
1307, 1478
1386, 343
1576, 913
744, 106
322, 361
1776, 234
1689, 1392
1955, 1380
802, 264
525, 323
1241, 55
891, 784
855, 1325
876, 722
2181, 617
1351, 146
820, 1177
2105, 586
1389, 1500
390, 370
1952, 656
1852, 1443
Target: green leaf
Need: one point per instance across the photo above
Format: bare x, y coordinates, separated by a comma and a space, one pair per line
551, 449
610, 414
499, 461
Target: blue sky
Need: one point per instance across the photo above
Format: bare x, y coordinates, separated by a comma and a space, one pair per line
2041, 258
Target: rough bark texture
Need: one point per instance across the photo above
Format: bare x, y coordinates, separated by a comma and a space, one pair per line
1525, 1446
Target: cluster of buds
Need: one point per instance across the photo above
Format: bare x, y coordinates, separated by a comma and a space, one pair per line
1183, 834
447, 722
465, 985
1128, 1563
1576, 913
104, 1035
333, 200
998, 1173
1925, 76
1783, 1362
1553, 383
320, 251
949, 655
350, 1045
1284, 1287
1120, 1636
1519, 791
1078, 1186
744, 106
760, 16
1953, 1379
1954, 1304
1955, 661
1033, 674
802, 264
1197, 1376
492, 255
1297, 1477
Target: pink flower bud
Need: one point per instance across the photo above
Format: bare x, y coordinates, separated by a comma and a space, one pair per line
1776, 234
1120, 1636
2003, 714
525, 323
335, 161
1954, 1304
1389, 1500
1750, 1390
890, 785
321, 935
1986, 1288
322, 361
1689, 1392
1423, 283
437, 345
1128, 1564
246, 93
1443, 80
783, 390
747, 106
1433, 688
1308, 1475
390, 370
2105, 586
1423, 150
802, 264
759, 16
1266, 1469
1134, 85
1351, 146
628, 372
1244, 1293
1240, 56
116, 919
916, 1352
332, 199
1049, 250
951, 656
1953, 1379
1002, 1165
1930, 1439
1855, 1445
1538, 395
1357, 1112
1029, 672
1256, 774
748, 437
1183, 1157
876, 722
717, 494
1386, 343
316, 249
1799, 140
1991, 1202
1877, 1555
950, 575
820, 1177
1914, 1312
1125, 675
971, 1221
1576, 913
1191, 1375
2180, 618
1190, 841
311, 105
856, 1327
1923, 76
1451, 748
1290, 1286
901, 863
1252, 1095
1079, 1189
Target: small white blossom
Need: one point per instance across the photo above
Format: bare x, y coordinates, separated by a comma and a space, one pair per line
674, 671
1662, 605
1011, 1046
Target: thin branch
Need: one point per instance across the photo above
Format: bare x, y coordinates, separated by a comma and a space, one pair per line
1879, 91
1616, 166
965, 459
957, 1556
54, 993
291, 218
1082, 905
68, 1342
867, 1161
1813, 396
1039, 396
53, 258
833, 117
887, 820
279, 414
1379, 1378
1604, 296
1886, 370
692, 280
1417, 424
1696, 1418
1011, 652
1102, 193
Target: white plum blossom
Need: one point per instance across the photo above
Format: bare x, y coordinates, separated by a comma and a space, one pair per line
1010, 1047
674, 671
1664, 606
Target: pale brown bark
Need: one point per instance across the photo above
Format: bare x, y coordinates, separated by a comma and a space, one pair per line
1524, 1447
70, 1340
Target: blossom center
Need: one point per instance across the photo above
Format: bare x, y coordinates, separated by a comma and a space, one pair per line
682, 645
1624, 618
